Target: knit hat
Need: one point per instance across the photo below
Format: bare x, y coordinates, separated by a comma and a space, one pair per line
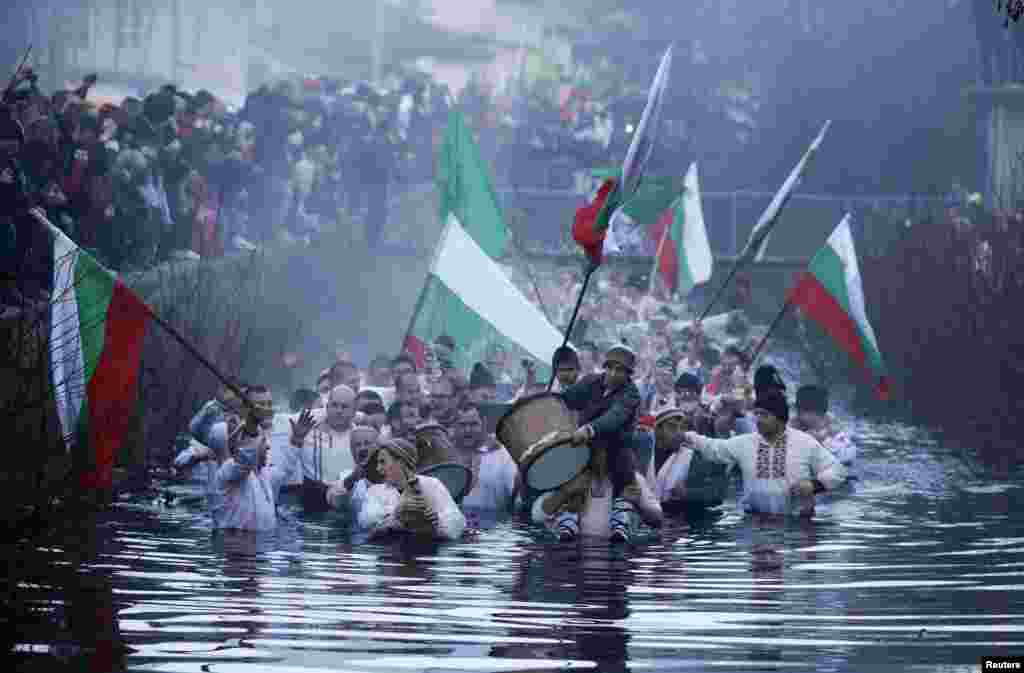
402, 450
621, 354
812, 398
667, 415
688, 381
774, 403
481, 377
565, 356
767, 376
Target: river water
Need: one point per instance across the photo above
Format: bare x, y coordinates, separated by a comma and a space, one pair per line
919, 567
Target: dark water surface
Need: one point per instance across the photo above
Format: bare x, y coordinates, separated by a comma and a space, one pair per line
921, 567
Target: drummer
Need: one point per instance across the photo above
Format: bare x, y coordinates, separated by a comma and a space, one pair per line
684, 477
348, 493
400, 501
608, 404
495, 473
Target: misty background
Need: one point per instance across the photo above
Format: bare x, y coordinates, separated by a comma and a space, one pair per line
751, 82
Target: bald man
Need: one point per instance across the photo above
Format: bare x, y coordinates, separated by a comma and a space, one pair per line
326, 450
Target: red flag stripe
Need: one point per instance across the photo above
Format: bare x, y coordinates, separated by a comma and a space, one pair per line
113, 388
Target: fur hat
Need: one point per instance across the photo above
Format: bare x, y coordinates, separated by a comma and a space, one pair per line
767, 376
565, 355
667, 415
402, 450
812, 398
774, 402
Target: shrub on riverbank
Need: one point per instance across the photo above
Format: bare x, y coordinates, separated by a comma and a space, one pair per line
946, 300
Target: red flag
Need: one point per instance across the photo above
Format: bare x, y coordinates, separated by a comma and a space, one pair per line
591, 223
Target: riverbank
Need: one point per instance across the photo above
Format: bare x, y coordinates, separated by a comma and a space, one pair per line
946, 299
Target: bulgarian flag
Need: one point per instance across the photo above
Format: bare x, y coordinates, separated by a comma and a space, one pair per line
757, 244
593, 221
97, 327
468, 297
831, 294
684, 254
465, 187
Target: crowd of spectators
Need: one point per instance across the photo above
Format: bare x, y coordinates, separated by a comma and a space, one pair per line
176, 173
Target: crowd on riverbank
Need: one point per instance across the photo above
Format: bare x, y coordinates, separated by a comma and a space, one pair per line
178, 173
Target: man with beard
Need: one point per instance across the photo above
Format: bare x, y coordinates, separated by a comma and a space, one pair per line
326, 450
783, 468
495, 473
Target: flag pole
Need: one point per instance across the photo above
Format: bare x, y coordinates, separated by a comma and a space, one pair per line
17, 73
657, 254
426, 283
175, 334
775, 323
591, 268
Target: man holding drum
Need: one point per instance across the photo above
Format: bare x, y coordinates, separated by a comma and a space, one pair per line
608, 405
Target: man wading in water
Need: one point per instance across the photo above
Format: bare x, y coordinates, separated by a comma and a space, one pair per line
608, 405
783, 468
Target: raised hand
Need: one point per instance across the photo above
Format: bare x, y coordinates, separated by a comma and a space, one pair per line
302, 427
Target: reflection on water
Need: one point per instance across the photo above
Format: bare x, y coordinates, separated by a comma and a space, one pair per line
919, 568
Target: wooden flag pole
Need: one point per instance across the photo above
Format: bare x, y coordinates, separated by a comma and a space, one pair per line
591, 268
775, 323
17, 72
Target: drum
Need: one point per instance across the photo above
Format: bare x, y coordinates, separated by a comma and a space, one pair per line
434, 446
455, 477
537, 432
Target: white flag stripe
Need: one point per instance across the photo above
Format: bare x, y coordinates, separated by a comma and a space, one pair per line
841, 241
759, 235
695, 235
483, 287
67, 365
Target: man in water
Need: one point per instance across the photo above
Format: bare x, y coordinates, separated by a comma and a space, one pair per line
608, 405
403, 418
813, 418
684, 477
326, 450
442, 402
494, 471
348, 493
783, 468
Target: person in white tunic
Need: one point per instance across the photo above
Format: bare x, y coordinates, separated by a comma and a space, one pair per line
243, 489
348, 493
326, 451
783, 468
813, 418
400, 501
495, 472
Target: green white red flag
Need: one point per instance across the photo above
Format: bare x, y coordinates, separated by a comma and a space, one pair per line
594, 221
831, 293
465, 187
683, 257
468, 297
757, 244
97, 327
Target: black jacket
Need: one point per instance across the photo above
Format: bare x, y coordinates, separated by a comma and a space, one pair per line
613, 417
